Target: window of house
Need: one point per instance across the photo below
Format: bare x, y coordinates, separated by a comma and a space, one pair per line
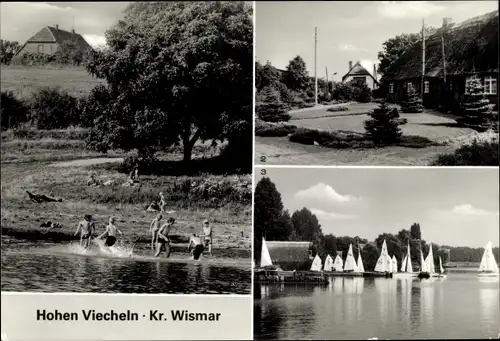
426, 87
409, 87
359, 79
40, 48
490, 85
391, 88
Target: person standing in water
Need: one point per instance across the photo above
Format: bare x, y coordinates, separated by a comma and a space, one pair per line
111, 231
197, 245
162, 241
154, 227
207, 236
86, 228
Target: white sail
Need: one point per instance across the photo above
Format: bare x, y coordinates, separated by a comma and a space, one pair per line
423, 267
488, 262
389, 263
360, 266
338, 264
265, 257
381, 265
394, 264
328, 264
441, 270
409, 267
350, 262
316, 264
429, 261
403, 264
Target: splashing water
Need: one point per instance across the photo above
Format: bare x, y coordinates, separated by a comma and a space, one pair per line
98, 248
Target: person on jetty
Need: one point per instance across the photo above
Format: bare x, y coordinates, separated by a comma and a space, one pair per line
86, 228
198, 246
154, 227
110, 233
162, 241
207, 236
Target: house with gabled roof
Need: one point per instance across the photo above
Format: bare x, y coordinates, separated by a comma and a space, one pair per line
49, 39
358, 72
470, 50
290, 255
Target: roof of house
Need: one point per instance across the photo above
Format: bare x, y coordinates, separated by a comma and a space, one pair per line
50, 34
358, 70
288, 251
470, 47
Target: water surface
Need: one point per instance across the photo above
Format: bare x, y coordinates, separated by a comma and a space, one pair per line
62, 267
460, 306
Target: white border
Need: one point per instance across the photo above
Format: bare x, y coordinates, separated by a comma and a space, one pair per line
377, 167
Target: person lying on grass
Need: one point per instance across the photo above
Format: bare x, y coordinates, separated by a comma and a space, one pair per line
86, 228
111, 231
162, 240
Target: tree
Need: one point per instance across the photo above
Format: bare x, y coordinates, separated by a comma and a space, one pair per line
361, 91
393, 48
265, 75
330, 245
175, 72
413, 103
475, 107
307, 228
383, 127
272, 109
415, 231
13, 111
69, 53
370, 255
268, 211
296, 76
8, 49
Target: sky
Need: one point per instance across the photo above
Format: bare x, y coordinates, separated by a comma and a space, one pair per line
347, 30
455, 207
21, 20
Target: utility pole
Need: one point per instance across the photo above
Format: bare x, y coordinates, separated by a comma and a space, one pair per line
423, 60
327, 85
315, 65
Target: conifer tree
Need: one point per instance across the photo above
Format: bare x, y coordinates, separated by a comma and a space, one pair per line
413, 104
475, 109
272, 108
383, 127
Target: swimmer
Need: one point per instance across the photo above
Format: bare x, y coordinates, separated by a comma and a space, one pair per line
207, 236
162, 241
111, 231
197, 246
86, 229
154, 227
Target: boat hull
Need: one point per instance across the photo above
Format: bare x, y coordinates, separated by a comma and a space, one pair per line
424, 275
405, 275
488, 274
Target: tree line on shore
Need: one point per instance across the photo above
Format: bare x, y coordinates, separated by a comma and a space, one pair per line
274, 223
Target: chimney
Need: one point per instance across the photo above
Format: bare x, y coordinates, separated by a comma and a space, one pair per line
73, 31
57, 26
375, 71
350, 64
446, 21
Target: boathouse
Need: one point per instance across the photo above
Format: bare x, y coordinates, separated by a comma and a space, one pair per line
470, 49
290, 255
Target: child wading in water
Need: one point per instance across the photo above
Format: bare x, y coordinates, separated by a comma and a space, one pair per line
86, 229
195, 242
162, 241
111, 231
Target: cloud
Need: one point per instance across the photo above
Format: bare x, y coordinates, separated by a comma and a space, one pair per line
331, 215
95, 40
323, 191
467, 209
349, 47
408, 9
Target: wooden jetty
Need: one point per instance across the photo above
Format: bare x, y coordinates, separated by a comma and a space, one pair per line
377, 274
290, 277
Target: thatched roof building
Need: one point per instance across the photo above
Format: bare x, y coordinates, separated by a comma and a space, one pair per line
290, 255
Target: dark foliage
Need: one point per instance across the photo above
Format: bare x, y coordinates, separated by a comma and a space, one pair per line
53, 108
12, 110
475, 154
383, 127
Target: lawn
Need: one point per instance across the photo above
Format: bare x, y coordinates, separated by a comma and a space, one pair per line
36, 165
431, 125
24, 81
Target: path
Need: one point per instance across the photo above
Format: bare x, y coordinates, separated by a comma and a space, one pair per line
87, 162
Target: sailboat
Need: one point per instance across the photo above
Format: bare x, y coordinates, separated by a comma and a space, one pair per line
359, 266
441, 273
316, 264
338, 264
350, 262
328, 264
384, 262
424, 273
394, 264
488, 266
406, 266
265, 257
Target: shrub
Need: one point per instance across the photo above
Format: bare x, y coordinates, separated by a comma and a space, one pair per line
413, 103
339, 108
478, 153
12, 111
273, 130
272, 109
335, 139
383, 127
361, 92
475, 108
54, 109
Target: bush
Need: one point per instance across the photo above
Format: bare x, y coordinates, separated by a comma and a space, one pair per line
13, 112
383, 127
339, 108
352, 91
337, 139
54, 109
478, 153
273, 130
57, 134
475, 108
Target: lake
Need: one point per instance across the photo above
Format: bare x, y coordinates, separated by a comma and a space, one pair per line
459, 306
64, 267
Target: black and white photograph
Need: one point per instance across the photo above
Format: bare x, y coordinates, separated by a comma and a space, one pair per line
126, 156
382, 83
376, 253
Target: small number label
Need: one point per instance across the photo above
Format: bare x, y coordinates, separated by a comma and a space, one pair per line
263, 172
262, 159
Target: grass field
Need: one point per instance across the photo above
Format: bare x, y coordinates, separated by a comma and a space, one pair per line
35, 165
23, 81
431, 125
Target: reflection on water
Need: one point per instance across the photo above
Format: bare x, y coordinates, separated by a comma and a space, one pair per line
26, 268
460, 306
